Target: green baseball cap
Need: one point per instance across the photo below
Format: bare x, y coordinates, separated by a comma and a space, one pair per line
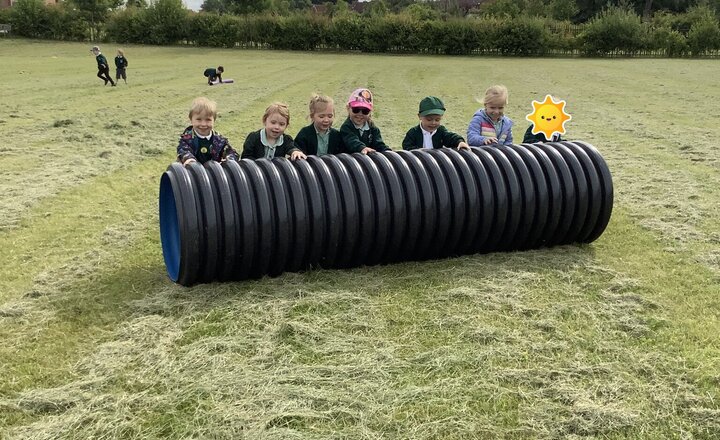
431, 105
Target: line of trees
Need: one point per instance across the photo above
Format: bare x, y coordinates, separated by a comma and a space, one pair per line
417, 28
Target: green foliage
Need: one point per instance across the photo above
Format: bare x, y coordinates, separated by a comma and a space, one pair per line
66, 23
57, 22
561, 36
503, 8
207, 30
704, 36
96, 13
32, 18
165, 20
377, 8
615, 29
278, 7
242, 7
136, 4
346, 32
128, 26
264, 30
339, 9
522, 36
5, 15
302, 32
563, 9
418, 29
421, 12
29, 18
216, 6
668, 40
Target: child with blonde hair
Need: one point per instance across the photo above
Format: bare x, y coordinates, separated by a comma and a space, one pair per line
320, 138
489, 125
200, 142
271, 140
359, 132
121, 64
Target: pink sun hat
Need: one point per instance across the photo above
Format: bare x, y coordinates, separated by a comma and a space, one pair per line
361, 98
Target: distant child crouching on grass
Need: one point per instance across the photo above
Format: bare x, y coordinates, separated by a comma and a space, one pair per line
214, 74
199, 142
271, 140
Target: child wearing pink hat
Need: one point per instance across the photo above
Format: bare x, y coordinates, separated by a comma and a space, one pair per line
359, 132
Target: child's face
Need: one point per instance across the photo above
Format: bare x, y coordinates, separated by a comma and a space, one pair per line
358, 115
275, 125
430, 122
202, 123
495, 109
323, 116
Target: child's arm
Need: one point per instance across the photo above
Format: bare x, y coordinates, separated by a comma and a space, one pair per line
377, 143
509, 138
474, 131
292, 150
185, 147
351, 139
229, 152
301, 141
249, 146
408, 143
336, 145
530, 138
451, 139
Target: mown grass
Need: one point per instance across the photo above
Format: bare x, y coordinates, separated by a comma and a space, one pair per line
616, 339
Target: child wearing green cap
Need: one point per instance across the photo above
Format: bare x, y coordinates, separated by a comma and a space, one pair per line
430, 133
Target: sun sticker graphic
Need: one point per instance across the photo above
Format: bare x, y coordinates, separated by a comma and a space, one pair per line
548, 117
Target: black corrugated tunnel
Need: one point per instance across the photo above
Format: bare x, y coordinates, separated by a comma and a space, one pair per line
247, 219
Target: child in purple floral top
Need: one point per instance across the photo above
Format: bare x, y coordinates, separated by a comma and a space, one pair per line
199, 142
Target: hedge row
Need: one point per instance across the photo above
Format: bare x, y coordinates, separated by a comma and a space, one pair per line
615, 31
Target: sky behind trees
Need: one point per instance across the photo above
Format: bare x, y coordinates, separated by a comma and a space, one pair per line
193, 4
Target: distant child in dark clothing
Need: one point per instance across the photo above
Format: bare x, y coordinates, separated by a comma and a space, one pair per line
199, 142
214, 74
489, 125
359, 132
545, 125
271, 140
430, 133
320, 138
121, 64
103, 68
530, 138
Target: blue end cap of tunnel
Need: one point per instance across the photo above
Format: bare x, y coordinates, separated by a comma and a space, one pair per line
169, 228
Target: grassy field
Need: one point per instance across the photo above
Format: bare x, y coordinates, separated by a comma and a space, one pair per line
613, 340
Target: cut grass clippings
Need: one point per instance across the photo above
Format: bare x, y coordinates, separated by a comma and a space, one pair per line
614, 340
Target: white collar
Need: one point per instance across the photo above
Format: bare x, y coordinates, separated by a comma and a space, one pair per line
428, 132
201, 136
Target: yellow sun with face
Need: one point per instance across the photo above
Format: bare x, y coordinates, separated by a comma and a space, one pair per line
548, 117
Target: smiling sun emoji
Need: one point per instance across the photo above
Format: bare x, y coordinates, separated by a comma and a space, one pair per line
548, 117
